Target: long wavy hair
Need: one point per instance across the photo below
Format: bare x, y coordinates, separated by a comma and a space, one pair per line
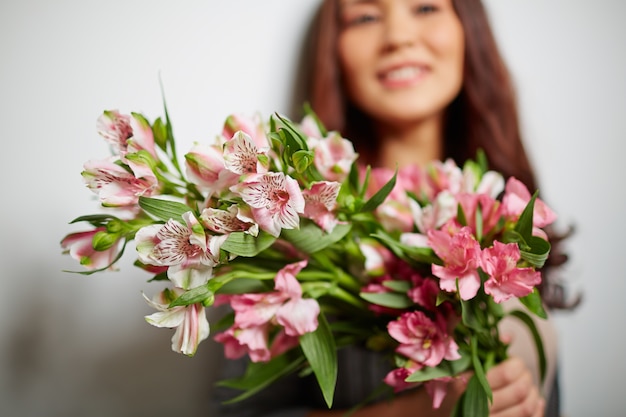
483, 116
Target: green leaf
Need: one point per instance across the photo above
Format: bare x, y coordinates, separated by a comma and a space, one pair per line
95, 219
475, 401
524, 225
295, 138
244, 244
398, 286
445, 368
388, 299
261, 375
164, 209
321, 353
310, 238
479, 371
380, 196
243, 286
541, 354
538, 252
195, 295
533, 302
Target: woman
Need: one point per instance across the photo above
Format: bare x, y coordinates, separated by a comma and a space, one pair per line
410, 81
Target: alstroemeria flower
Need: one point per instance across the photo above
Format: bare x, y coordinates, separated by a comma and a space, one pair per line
126, 133
506, 280
490, 210
517, 196
461, 255
437, 389
396, 378
436, 214
190, 321
115, 128
188, 252
242, 156
257, 314
377, 256
276, 200
445, 176
80, 247
115, 185
422, 340
319, 203
205, 168
227, 221
252, 126
334, 156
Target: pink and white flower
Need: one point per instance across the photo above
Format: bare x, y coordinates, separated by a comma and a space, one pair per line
206, 168
187, 251
115, 185
228, 221
461, 256
257, 314
190, 321
334, 156
251, 126
242, 156
320, 202
80, 247
275, 198
506, 280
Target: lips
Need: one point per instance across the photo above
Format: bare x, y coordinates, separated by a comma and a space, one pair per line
402, 75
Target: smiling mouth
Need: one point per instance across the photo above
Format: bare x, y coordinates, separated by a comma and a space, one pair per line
403, 75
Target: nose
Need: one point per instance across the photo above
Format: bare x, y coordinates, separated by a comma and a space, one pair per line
400, 30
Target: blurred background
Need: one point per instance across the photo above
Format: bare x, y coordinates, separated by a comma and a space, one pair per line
73, 345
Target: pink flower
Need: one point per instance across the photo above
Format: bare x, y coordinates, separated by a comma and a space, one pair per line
445, 176
126, 134
276, 200
205, 168
490, 210
227, 221
320, 202
241, 155
80, 247
257, 314
239, 341
377, 256
251, 126
516, 198
396, 378
190, 321
310, 128
116, 186
334, 156
298, 315
437, 389
461, 255
422, 340
185, 249
115, 128
505, 278
436, 214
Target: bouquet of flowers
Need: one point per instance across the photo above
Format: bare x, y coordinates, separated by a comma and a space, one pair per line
311, 251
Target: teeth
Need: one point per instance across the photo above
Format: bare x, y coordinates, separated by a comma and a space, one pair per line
404, 73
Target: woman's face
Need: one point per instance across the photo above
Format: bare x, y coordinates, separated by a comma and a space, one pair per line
402, 60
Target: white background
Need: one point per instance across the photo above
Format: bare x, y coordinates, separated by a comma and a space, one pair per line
78, 346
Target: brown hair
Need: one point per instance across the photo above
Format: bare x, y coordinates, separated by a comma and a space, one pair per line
483, 116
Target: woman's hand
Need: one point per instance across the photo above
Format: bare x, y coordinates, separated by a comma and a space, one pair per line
514, 394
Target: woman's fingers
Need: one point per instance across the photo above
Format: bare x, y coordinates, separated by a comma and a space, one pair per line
514, 394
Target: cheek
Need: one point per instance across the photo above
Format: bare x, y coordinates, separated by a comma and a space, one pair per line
449, 41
